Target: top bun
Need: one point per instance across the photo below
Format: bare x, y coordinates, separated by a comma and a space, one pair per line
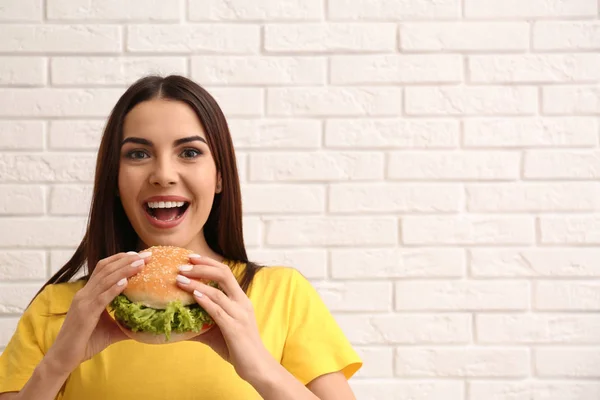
155, 285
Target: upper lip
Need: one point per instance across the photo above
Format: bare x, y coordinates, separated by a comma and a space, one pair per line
165, 199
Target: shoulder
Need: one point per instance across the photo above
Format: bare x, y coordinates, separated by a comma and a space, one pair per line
279, 277
56, 298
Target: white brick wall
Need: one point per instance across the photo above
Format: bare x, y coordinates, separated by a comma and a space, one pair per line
431, 165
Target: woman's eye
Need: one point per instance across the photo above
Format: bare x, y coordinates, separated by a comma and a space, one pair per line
136, 155
190, 153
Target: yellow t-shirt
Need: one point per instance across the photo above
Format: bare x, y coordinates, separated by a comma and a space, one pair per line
293, 322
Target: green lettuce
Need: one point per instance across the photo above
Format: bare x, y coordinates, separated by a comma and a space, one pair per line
175, 318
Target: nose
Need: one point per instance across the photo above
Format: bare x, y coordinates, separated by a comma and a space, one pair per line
163, 174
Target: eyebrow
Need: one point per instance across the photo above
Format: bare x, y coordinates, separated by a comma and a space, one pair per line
176, 143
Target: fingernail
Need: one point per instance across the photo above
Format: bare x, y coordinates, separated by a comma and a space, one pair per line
122, 282
186, 267
137, 263
131, 253
183, 279
195, 256
198, 294
145, 254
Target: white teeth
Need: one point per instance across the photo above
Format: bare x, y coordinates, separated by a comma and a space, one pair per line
165, 204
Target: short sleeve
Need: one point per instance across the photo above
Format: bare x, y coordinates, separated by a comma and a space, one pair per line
24, 350
315, 344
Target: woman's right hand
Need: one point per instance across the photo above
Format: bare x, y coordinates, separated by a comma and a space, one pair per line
88, 328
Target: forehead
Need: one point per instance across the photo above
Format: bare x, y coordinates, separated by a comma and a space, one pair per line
161, 118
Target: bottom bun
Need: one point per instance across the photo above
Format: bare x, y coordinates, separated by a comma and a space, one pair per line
153, 338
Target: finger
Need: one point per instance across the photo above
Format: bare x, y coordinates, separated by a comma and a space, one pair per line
214, 294
217, 273
218, 314
115, 333
104, 269
117, 273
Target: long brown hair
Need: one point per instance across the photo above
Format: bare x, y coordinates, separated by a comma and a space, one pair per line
109, 230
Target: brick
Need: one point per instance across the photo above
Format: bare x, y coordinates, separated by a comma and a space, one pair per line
397, 69
29, 71
58, 258
288, 199
21, 135
533, 197
544, 328
275, 133
70, 199
356, 296
567, 35
211, 38
8, 327
75, 134
531, 132
26, 265
259, 10
242, 166
430, 328
382, 198
570, 229
432, 362
378, 362
22, 10
391, 133
316, 166
568, 100
342, 231
253, 231
468, 230
35, 232
239, 101
579, 164
489, 100
464, 36
51, 102
567, 362
393, 9
259, 70
366, 389
334, 101
100, 10
462, 295
535, 68
529, 9
14, 298
533, 390
52, 167
112, 70
464, 165
567, 296
21, 200
327, 37
310, 263
385, 263
535, 262
60, 38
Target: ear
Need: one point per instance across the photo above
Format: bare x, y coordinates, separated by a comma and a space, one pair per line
219, 187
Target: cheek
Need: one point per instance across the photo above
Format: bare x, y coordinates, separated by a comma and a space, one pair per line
128, 185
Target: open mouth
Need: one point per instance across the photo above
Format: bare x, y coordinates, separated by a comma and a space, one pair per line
166, 211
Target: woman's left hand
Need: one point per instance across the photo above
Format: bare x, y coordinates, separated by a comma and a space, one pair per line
235, 338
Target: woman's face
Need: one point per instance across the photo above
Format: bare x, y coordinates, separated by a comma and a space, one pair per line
167, 175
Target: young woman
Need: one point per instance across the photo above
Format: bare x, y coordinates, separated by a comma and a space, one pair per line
167, 140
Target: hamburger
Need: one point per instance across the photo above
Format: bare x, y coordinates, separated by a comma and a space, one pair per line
153, 309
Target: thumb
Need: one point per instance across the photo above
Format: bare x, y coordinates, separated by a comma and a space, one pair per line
115, 334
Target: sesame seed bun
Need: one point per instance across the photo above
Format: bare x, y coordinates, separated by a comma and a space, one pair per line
155, 285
